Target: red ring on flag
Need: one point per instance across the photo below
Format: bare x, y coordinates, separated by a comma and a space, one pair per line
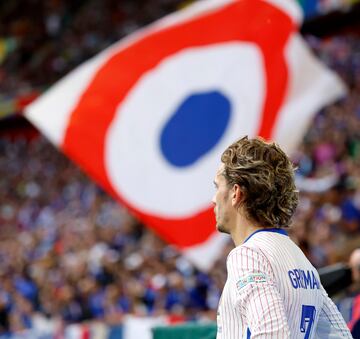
96, 108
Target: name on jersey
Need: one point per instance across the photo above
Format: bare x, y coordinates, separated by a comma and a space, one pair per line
303, 279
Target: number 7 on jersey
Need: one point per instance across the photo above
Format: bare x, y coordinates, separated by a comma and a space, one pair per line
307, 319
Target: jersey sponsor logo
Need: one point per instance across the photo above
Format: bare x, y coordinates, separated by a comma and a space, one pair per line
251, 278
303, 279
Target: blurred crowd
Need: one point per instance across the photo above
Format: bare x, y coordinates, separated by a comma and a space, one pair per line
44, 40
69, 253
327, 221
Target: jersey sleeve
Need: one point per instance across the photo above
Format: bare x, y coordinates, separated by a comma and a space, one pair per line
258, 298
331, 324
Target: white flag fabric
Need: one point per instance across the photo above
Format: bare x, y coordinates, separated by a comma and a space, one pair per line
149, 117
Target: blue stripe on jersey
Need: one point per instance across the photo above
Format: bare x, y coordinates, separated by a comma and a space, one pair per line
273, 230
248, 333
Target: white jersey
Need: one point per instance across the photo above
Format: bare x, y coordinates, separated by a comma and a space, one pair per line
273, 291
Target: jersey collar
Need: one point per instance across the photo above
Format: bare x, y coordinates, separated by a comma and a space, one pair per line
272, 230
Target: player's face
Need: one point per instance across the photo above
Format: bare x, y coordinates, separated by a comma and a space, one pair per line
222, 202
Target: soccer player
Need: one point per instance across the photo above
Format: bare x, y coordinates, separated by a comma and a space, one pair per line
272, 290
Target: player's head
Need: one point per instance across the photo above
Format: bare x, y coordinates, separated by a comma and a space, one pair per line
264, 176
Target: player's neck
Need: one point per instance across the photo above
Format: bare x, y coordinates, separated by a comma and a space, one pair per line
243, 229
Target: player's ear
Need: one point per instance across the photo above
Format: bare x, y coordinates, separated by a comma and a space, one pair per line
236, 195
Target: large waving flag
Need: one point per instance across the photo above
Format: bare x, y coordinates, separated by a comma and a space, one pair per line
149, 117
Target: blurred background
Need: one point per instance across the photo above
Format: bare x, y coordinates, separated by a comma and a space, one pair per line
71, 255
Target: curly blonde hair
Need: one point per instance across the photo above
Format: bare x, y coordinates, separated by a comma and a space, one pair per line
266, 177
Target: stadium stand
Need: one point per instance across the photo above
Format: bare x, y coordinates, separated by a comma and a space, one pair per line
50, 273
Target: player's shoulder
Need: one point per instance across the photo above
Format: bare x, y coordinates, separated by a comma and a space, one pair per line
246, 251
262, 245
270, 241
245, 259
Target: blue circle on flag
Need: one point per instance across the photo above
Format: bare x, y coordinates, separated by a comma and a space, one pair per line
195, 127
